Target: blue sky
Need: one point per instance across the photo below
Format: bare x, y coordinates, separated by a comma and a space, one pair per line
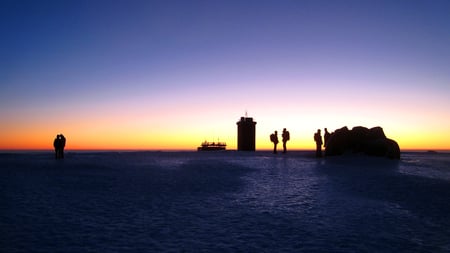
370, 62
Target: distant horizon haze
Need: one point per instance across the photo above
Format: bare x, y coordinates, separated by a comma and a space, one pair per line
297, 143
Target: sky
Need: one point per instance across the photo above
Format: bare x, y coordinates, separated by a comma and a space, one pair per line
167, 75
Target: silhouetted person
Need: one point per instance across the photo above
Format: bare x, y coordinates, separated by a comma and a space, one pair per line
274, 139
326, 136
285, 137
318, 140
59, 143
56, 145
63, 144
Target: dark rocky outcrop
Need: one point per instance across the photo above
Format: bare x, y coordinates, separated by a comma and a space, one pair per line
362, 140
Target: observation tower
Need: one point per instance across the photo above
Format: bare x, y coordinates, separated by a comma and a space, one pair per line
246, 134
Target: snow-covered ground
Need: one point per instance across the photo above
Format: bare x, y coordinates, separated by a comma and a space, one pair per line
223, 202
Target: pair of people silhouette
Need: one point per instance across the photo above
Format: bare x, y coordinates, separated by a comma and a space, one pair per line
274, 138
318, 140
59, 143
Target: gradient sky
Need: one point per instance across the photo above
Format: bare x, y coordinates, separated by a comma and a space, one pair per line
170, 74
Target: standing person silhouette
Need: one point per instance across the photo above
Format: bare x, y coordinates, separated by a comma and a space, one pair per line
63, 144
326, 136
318, 140
57, 145
285, 137
274, 139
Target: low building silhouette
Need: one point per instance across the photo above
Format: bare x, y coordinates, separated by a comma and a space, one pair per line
246, 134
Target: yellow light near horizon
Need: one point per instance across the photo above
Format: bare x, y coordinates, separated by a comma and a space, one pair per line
185, 134
431, 141
166, 141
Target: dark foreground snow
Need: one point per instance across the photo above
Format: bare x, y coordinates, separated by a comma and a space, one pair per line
223, 202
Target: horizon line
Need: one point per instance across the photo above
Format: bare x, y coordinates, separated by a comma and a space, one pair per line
193, 150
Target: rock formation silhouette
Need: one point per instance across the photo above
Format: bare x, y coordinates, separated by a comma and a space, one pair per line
360, 139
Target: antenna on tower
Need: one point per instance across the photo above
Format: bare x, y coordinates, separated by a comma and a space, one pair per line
246, 114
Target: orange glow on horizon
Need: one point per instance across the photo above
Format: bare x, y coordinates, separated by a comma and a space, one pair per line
164, 141
186, 132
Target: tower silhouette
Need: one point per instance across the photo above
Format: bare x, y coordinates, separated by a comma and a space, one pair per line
246, 134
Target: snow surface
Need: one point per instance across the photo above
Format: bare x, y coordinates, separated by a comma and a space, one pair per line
223, 202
